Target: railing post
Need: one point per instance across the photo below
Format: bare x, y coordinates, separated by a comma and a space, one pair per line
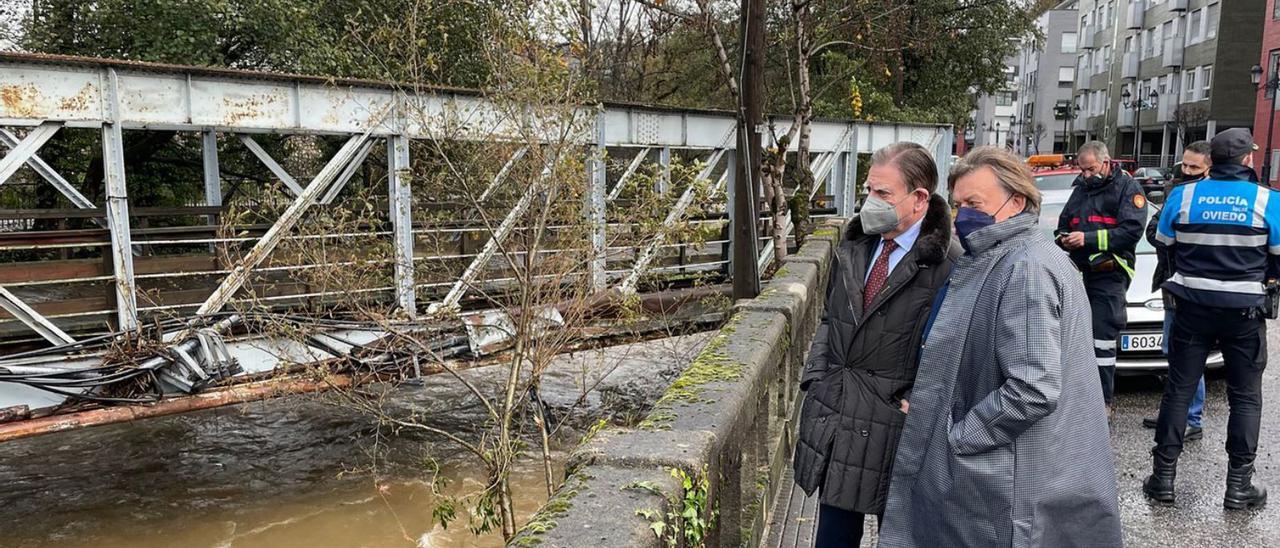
118, 209
597, 180
212, 178
664, 178
942, 157
730, 191
399, 179
849, 195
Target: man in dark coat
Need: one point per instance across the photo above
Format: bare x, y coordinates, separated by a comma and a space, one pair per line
1100, 226
1193, 167
1007, 442
858, 377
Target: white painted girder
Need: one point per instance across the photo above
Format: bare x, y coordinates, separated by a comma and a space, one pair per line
196, 99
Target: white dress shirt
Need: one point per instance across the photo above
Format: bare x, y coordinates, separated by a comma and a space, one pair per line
904, 241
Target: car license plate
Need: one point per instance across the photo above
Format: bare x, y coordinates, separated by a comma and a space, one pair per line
1140, 343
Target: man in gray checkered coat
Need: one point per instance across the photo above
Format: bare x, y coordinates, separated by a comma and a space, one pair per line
1006, 443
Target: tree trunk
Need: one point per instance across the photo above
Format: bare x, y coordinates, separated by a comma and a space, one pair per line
722, 54
799, 215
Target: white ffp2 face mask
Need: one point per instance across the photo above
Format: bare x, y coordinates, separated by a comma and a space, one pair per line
878, 216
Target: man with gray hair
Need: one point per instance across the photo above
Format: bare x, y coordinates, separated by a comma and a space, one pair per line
1006, 443
1100, 226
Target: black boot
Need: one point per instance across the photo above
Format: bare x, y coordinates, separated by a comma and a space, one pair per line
1241, 492
1159, 485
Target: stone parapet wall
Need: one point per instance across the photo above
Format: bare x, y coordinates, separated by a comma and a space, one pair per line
727, 418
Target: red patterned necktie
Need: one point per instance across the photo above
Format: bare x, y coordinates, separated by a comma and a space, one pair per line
879, 273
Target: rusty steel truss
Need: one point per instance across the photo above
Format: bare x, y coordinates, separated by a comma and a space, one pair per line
40, 95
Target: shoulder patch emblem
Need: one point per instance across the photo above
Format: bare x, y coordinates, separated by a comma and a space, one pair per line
1139, 201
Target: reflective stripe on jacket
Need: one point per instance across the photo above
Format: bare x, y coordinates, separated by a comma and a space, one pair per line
1224, 233
1112, 217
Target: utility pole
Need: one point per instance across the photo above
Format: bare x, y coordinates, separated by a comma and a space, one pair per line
746, 273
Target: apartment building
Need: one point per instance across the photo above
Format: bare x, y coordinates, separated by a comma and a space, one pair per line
1265, 116
1047, 75
1153, 75
991, 123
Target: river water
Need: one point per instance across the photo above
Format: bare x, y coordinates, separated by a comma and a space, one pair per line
299, 471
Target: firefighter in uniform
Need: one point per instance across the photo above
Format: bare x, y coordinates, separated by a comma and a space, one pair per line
1100, 226
1224, 236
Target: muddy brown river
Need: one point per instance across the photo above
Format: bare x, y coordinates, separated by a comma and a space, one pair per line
297, 472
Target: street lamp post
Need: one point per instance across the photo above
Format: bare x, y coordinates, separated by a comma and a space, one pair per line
1068, 111
1272, 84
1138, 105
1016, 133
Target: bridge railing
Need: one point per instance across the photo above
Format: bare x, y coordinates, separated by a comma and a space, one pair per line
45, 95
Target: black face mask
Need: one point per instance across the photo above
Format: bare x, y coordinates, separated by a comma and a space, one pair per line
1095, 180
1184, 176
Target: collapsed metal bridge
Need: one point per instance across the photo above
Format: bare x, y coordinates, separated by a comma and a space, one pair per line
42, 95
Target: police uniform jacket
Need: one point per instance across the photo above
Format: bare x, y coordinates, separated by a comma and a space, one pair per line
1224, 237
1112, 216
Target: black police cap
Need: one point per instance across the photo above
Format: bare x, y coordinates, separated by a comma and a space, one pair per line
1231, 144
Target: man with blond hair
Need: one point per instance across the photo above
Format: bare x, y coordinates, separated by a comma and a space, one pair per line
1007, 442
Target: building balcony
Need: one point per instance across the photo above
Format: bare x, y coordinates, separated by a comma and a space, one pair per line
1126, 117
1087, 40
1129, 65
1177, 5
1173, 50
1165, 108
1137, 15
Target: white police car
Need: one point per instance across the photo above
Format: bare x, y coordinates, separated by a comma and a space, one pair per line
1140, 339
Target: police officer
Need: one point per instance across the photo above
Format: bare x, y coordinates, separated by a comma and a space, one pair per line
1101, 225
1224, 236
1193, 167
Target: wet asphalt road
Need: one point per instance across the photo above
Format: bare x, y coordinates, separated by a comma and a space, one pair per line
1197, 519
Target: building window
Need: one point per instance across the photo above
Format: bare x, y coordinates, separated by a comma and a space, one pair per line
1163, 33
1275, 10
1206, 81
1211, 22
1275, 159
1069, 41
1066, 75
1146, 43
1164, 83
1189, 86
1194, 24
1004, 99
1274, 65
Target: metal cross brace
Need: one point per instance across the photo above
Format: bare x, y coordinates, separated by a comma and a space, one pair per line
347, 174
502, 173
646, 256
271, 164
451, 299
626, 175
33, 319
24, 150
307, 198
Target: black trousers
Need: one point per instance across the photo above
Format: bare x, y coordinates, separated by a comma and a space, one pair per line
1243, 341
839, 528
1107, 304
